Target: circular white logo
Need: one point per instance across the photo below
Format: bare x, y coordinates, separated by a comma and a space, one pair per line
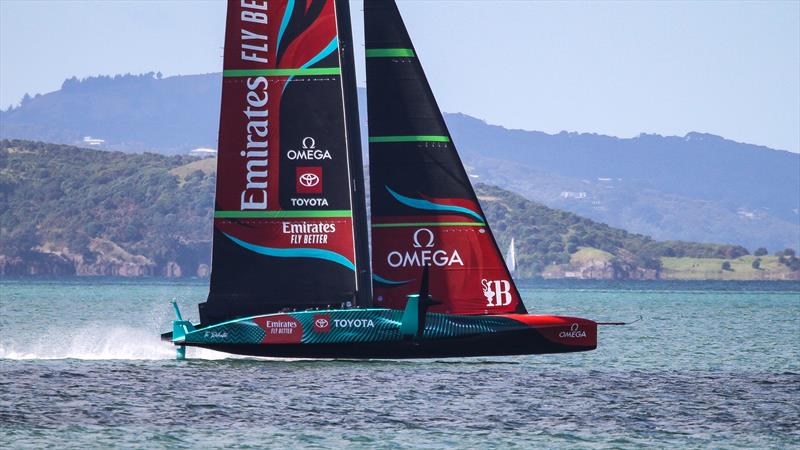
574, 327
321, 323
309, 142
309, 180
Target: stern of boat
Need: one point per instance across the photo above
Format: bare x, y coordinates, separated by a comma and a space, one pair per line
566, 333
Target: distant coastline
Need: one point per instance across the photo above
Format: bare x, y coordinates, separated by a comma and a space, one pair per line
686, 270
695, 187
92, 213
526, 284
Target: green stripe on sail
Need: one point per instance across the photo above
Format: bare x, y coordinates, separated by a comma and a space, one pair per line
280, 214
409, 139
390, 52
429, 224
282, 72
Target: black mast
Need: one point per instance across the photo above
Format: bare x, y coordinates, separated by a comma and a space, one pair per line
358, 188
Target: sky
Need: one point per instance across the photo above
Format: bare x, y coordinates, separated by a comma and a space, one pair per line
615, 68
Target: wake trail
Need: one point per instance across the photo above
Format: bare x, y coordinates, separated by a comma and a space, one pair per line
99, 342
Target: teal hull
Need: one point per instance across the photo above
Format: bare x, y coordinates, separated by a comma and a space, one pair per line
387, 333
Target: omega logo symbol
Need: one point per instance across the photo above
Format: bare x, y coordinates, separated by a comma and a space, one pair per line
309, 143
417, 241
574, 332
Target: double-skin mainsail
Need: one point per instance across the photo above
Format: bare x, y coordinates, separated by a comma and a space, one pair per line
289, 220
291, 271
424, 210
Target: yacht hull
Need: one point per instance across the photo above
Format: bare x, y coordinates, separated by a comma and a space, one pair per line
379, 334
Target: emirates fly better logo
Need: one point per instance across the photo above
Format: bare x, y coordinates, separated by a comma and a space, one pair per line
309, 180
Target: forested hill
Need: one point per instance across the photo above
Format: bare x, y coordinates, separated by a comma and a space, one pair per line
696, 187
68, 210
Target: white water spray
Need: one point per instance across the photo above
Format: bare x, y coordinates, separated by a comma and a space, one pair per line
99, 342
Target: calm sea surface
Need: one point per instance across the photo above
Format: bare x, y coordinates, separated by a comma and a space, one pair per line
710, 365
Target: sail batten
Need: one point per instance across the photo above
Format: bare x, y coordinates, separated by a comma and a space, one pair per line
390, 53
284, 214
423, 208
377, 139
282, 72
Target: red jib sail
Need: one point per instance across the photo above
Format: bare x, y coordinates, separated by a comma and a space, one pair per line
424, 210
284, 233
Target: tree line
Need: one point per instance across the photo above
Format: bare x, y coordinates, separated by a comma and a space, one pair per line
62, 197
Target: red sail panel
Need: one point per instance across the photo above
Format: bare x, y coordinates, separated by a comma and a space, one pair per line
424, 210
283, 223
466, 274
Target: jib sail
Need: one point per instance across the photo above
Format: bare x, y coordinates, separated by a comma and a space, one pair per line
424, 210
285, 218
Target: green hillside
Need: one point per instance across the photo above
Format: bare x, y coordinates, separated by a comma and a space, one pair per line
697, 187
555, 243
68, 210
742, 268
61, 203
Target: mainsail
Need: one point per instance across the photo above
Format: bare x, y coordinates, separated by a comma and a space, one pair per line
424, 210
288, 232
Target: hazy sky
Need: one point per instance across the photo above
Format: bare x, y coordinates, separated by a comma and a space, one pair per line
617, 68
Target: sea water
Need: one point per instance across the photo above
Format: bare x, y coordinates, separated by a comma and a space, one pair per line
709, 365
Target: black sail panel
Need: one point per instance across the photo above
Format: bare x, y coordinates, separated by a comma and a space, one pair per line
284, 221
423, 208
